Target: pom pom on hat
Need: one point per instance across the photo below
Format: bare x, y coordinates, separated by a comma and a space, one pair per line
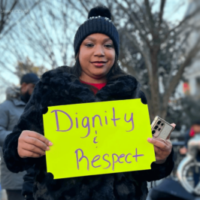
99, 11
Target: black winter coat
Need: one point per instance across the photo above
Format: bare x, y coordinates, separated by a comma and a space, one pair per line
59, 87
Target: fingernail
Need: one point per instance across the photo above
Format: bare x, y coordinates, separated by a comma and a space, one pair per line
50, 143
173, 124
48, 149
149, 139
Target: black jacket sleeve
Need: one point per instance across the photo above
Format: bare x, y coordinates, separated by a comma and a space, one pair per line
28, 185
31, 119
158, 171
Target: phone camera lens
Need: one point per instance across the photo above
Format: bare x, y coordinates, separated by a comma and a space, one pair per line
159, 129
159, 122
156, 127
153, 132
162, 124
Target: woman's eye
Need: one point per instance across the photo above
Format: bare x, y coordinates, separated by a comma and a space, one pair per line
109, 45
89, 45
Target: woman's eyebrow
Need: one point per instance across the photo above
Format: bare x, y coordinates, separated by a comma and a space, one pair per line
90, 38
107, 39
93, 39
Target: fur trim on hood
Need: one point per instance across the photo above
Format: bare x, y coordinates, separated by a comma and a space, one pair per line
12, 93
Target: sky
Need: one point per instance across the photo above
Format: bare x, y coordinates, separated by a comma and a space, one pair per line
175, 9
172, 13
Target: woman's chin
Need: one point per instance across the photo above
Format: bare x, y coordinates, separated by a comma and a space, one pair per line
99, 75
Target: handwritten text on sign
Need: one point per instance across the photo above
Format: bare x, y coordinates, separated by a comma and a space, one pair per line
98, 138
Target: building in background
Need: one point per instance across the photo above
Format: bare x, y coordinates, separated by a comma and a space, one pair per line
192, 74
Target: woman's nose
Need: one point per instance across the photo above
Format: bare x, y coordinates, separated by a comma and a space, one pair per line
99, 51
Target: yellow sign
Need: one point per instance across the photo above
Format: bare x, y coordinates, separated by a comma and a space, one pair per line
98, 138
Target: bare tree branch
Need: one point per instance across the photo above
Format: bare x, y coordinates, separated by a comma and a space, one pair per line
77, 8
150, 16
21, 18
181, 23
84, 6
162, 5
5, 14
175, 79
135, 21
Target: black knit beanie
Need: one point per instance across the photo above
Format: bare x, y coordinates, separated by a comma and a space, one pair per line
99, 21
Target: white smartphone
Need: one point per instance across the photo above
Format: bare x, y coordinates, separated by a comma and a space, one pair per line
160, 128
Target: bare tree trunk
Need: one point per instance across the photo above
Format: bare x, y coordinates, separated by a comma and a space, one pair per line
154, 85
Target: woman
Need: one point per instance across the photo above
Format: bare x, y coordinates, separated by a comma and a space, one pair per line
96, 76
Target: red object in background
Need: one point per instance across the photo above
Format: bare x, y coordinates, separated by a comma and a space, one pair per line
186, 87
192, 133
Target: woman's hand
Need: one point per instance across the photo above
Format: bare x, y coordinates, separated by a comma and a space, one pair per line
162, 148
32, 144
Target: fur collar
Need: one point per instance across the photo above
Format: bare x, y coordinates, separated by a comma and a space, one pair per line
60, 87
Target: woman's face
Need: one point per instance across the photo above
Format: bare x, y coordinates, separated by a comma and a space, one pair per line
96, 57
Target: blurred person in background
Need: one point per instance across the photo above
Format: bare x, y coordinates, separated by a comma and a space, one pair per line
194, 129
10, 112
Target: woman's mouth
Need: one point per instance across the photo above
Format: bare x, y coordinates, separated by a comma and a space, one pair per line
99, 63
